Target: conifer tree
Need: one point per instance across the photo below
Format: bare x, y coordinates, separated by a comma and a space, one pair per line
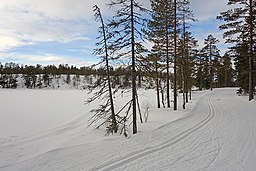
240, 54
185, 15
212, 52
160, 31
228, 70
239, 28
103, 83
127, 40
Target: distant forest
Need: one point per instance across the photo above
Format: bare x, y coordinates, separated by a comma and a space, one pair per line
39, 76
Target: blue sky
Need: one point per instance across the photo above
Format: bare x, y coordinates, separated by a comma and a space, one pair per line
63, 31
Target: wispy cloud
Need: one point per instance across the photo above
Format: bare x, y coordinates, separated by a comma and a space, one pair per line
43, 59
30, 21
27, 24
206, 10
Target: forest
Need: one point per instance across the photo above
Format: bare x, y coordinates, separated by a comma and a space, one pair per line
173, 63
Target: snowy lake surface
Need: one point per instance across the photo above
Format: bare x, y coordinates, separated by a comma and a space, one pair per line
48, 130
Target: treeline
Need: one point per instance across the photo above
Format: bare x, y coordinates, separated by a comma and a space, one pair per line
39, 76
222, 70
36, 76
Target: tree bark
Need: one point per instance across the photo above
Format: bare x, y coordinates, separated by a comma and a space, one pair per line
133, 73
157, 86
167, 55
175, 60
251, 71
211, 74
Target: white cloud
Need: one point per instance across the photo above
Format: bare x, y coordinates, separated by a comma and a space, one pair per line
210, 9
43, 59
60, 9
205, 10
26, 22
33, 21
7, 42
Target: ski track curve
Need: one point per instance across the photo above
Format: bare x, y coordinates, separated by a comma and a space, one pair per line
147, 151
211, 138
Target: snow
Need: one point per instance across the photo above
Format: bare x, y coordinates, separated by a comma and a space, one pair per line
47, 130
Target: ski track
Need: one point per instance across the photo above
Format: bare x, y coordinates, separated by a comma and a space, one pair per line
161, 146
210, 138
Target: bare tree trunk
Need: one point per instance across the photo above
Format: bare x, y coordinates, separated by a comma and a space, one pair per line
190, 94
226, 76
157, 86
175, 60
200, 76
133, 73
185, 60
167, 55
183, 85
137, 99
162, 93
251, 71
211, 74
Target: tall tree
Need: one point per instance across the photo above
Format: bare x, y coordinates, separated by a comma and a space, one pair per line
240, 53
175, 103
239, 28
160, 31
127, 39
185, 15
103, 52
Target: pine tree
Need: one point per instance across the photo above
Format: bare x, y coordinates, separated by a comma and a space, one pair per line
103, 83
198, 69
212, 52
240, 53
127, 40
228, 70
160, 31
240, 29
154, 58
187, 43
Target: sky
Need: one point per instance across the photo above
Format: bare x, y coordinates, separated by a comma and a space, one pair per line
64, 31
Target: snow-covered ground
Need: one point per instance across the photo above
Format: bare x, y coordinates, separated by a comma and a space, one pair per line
47, 130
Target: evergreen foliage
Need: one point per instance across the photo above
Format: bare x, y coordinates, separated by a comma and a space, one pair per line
239, 29
126, 41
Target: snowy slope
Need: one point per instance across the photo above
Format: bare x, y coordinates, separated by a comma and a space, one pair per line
219, 133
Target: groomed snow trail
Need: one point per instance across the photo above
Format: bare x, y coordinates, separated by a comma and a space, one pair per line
218, 135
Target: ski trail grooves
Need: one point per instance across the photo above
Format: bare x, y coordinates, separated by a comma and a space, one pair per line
149, 150
217, 135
